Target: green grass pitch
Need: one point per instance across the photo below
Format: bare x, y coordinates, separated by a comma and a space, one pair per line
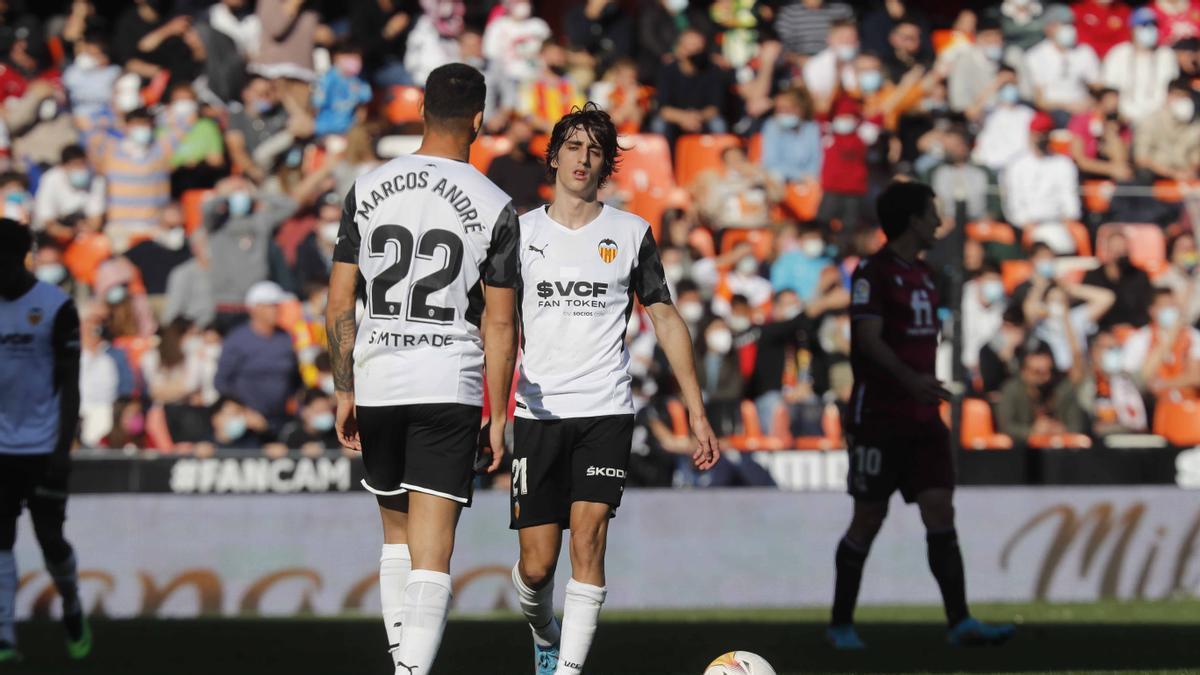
1134, 637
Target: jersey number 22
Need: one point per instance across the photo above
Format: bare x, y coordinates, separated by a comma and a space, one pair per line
419, 309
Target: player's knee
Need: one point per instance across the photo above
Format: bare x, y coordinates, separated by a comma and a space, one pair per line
536, 573
867, 522
587, 541
938, 515
50, 538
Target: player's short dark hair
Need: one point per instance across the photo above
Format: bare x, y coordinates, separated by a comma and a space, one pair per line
15, 240
599, 128
899, 202
454, 94
73, 152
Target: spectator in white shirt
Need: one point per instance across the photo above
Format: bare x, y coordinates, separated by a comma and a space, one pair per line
1140, 69
1041, 190
974, 67
1164, 356
69, 196
1005, 133
1058, 70
832, 68
236, 19
511, 44
983, 305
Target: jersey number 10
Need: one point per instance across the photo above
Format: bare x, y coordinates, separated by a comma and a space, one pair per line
419, 309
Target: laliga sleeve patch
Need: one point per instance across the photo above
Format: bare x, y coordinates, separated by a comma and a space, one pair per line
862, 292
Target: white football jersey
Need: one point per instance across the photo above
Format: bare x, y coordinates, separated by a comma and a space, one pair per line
576, 294
424, 231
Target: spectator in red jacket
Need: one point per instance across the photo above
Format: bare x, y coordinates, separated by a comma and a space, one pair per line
1102, 24
844, 171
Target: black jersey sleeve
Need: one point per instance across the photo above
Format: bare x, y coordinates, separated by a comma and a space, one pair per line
349, 238
502, 267
648, 280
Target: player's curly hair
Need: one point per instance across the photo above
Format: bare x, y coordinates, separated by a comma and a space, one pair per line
598, 126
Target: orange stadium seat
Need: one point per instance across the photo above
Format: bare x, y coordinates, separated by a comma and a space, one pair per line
1065, 441
990, 231
761, 239
831, 431
1172, 190
645, 164
754, 149
1098, 194
752, 437
487, 148
803, 199
697, 153
1014, 273
1177, 421
1147, 245
192, 204
978, 431
539, 145
157, 431
678, 415
85, 254
404, 104
1060, 141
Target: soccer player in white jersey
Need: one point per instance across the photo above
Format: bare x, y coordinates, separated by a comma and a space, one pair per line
581, 265
39, 412
418, 236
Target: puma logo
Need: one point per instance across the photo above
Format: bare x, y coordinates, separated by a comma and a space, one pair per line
540, 251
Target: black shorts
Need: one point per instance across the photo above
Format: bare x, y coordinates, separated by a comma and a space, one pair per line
427, 447
559, 462
25, 481
883, 461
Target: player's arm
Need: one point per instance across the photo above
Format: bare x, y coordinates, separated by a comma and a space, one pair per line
66, 377
868, 340
341, 325
676, 343
649, 283
501, 274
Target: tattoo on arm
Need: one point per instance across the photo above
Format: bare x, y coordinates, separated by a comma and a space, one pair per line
342, 332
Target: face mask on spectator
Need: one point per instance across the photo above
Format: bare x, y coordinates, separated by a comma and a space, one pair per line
263, 107
1044, 268
1146, 36
993, 291
1065, 36
846, 52
184, 109
993, 52
788, 120
48, 110
719, 340
1110, 361
326, 384
844, 124
790, 313
323, 422
676, 6
116, 295
691, 312
747, 266
812, 247
86, 61
520, 11
174, 238
349, 65
240, 203
141, 134
739, 323
1008, 94
1182, 109
868, 132
329, 232
1167, 317
79, 178
870, 81
234, 427
52, 274
673, 273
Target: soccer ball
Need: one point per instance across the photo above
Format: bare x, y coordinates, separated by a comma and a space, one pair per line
739, 663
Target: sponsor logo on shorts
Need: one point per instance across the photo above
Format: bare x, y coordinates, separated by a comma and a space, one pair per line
605, 472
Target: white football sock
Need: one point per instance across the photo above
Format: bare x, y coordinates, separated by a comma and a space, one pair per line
8, 597
426, 603
394, 566
538, 608
580, 615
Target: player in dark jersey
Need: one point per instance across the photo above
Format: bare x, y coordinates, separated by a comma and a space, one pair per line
39, 412
895, 435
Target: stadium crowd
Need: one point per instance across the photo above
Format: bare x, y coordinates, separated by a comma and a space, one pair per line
183, 164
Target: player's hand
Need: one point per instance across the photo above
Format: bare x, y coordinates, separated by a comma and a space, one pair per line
491, 440
708, 449
928, 390
347, 422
